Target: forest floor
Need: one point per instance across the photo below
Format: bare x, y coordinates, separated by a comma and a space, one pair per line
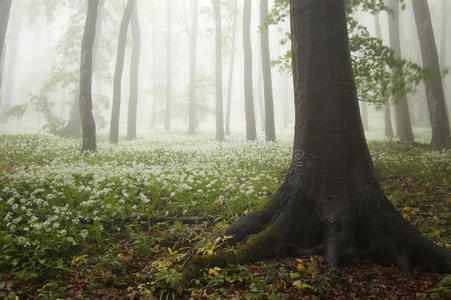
64, 234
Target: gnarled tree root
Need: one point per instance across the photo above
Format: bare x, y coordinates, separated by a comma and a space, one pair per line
292, 228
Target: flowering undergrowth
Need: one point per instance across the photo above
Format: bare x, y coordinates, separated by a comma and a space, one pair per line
62, 214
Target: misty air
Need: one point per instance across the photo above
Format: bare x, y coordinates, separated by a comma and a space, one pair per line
225, 149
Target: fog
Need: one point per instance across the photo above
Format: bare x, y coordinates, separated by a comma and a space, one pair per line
42, 56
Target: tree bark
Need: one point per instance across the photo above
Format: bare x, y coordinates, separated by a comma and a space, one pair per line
402, 118
330, 202
15, 26
443, 33
251, 132
5, 10
134, 75
73, 126
117, 84
192, 103
231, 69
219, 91
88, 126
270, 131
434, 89
153, 116
167, 115
388, 128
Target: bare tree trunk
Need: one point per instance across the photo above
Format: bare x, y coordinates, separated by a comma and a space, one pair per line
434, 88
388, 128
403, 125
15, 25
5, 10
117, 89
231, 68
167, 115
153, 116
134, 75
270, 130
88, 126
219, 91
251, 132
444, 33
259, 89
192, 103
73, 126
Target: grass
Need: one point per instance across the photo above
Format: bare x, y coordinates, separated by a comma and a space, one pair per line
62, 232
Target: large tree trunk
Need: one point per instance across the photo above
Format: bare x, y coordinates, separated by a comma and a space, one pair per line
330, 202
167, 114
402, 118
134, 75
251, 132
270, 130
231, 69
88, 126
117, 83
5, 9
434, 89
219, 91
192, 103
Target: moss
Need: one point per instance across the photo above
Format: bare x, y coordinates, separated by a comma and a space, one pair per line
257, 247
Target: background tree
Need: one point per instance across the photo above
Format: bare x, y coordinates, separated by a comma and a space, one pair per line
218, 71
117, 84
88, 126
443, 33
251, 132
192, 102
388, 128
402, 117
134, 75
167, 115
270, 130
330, 201
9, 67
5, 10
434, 90
231, 67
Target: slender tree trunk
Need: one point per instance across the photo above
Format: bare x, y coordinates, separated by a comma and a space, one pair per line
434, 89
167, 115
88, 126
330, 202
270, 130
153, 116
251, 132
259, 89
134, 75
73, 126
192, 103
387, 112
12, 48
403, 125
444, 33
231, 69
219, 91
117, 84
5, 10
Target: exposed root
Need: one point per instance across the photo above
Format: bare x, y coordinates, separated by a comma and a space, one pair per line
294, 228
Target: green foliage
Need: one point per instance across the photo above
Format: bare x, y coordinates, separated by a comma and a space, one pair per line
379, 75
61, 213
